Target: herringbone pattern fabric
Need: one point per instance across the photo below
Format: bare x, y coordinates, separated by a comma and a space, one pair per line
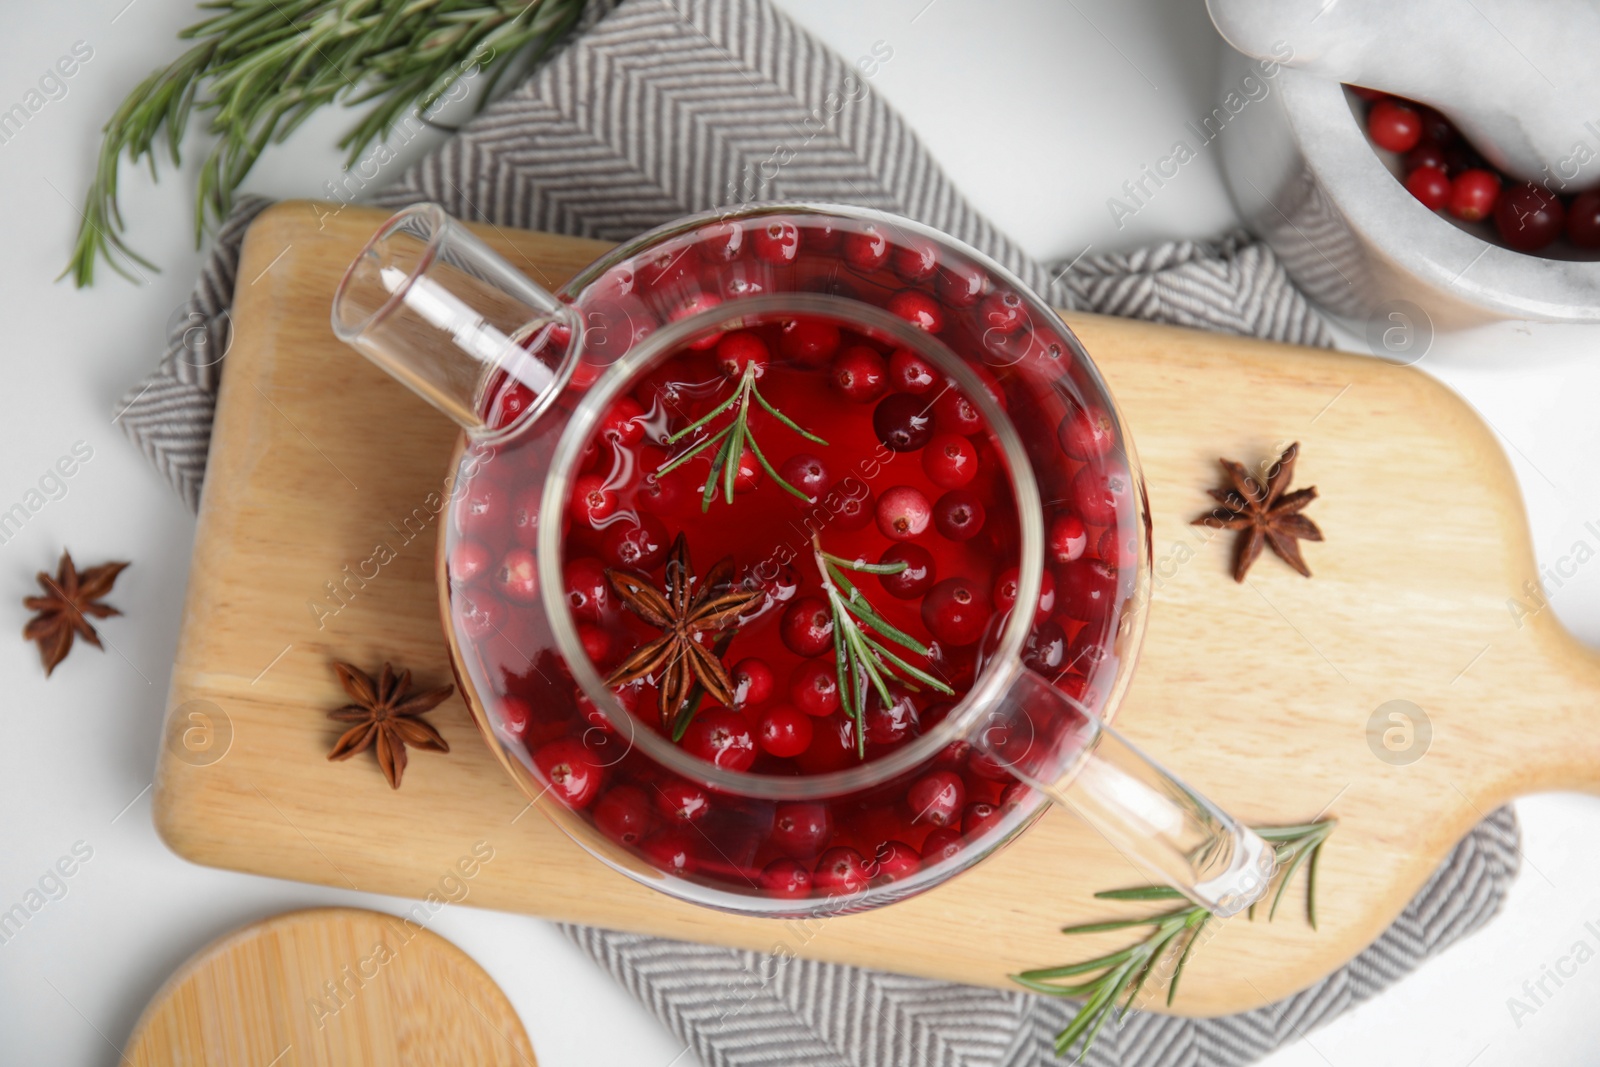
667, 107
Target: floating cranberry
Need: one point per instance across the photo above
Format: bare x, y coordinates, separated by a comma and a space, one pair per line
468, 560
940, 845
570, 772
860, 374
510, 404
1102, 493
910, 373
596, 644
840, 871
987, 767
894, 861
1002, 311
673, 849
960, 285
588, 589
1394, 126
525, 516
902, 422
915, 260
638, 543
786, 879
623, 424
784, 731
955, 414
978, 819
1006, 590
807, 627
801, 828
892, 723
917, 308
1015, 795
1583, 220
720, 242
810, 342
1087, 432
814, 688
1431, 186
820, 236
479, 613
624, 815
1528, 217
958, 515
776, 242
1427, 154
516, 715
593, 500
806, 473
694, 304
1473, 194
833, 746
1087, 588
867, 250
721, 736
1120, 548
956, 612
903, 513
937, 798
1067, 539
682, 801
752, 682
950, 461
1046, 648
917, 577
740, 349
481, 510
748, 474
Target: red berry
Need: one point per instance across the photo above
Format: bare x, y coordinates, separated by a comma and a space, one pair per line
636, 544
814, 688
721, 736
748, 474
1436, 129
941, 845
954, 413
1430, 185
571, 773
720, 242
673, 849
867, 250
738, 350
681, 801
909, 372
833, 746
479, 613
786, 879
588, 588
811, 342
776, 242
1528, 217
1087, 588
821, 236
890, 724
950, 461
1473, 195
1120, 548
784, 731
1394, 126
624, 815
593, 501
807, 627
596, 643
978, 819
510, 403
1087, 432
1046, 648
840, 871
961, 284
903, 513
958, 515
516, 715
917, 308
1067, 539
624, 423
915, 261
468, 559
1006, 590
918, 576
525, 516
851, 511
956, 612
1583, 220
894, 861
694, 304
937, 798
481, 510
1426, 154
806, 473
1102, 494
801, 828
902, 422
752, 682
1002, 311
1015, 796
860, 374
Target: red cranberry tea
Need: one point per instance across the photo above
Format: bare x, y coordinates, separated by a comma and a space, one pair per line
785, 550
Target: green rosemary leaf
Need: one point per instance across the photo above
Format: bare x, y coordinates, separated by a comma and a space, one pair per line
1071, 970
694, 450
863, 566
1183, 958
1123, 924
707, 417
1144, 892
786, 420
777, 478
905, 668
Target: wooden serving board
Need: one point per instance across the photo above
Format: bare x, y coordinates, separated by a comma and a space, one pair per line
400, 996
1260, 694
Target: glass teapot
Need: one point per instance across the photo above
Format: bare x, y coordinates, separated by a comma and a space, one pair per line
797, 556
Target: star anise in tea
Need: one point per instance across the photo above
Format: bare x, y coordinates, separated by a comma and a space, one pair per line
386, 716
686, 609
1264, 513
61, 614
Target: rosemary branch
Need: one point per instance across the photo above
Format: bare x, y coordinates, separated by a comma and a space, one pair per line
734, 438
863, 662
1117, 978
262, 67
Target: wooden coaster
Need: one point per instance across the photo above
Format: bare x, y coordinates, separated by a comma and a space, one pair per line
334, 986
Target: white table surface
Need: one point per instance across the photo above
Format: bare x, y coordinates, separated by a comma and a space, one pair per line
1040, 110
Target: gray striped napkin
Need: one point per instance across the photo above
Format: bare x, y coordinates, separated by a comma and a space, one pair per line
666, 107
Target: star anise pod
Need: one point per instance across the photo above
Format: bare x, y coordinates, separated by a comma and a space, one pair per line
687, 608
386, 718
60, 613
1264, 514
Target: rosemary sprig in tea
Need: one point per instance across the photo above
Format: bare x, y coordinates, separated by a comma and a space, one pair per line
1117, 978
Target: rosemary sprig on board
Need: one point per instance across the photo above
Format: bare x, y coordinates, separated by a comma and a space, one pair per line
733, 439
1117, 978
864, 662
262, 67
